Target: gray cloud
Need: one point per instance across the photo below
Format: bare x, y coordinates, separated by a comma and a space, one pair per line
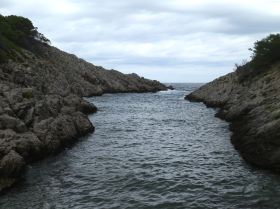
4, 3
169, 40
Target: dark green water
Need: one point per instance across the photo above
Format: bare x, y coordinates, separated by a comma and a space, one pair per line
149, 151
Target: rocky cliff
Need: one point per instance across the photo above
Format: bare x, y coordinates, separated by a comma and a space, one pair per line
252, 105
41, 104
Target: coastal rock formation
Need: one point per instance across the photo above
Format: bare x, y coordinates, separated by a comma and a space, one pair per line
41, 104
252, 105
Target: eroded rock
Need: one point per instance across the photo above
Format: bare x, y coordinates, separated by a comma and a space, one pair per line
41, 104
252, 106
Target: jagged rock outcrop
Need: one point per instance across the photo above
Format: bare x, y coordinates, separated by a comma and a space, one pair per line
253, 108
41, 104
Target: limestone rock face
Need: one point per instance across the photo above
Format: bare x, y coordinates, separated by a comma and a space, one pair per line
253, 108
41, 104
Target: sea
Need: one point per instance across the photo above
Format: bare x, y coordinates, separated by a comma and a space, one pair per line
149, 151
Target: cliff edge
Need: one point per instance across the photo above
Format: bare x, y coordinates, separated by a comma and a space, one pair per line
249, 99
41, 90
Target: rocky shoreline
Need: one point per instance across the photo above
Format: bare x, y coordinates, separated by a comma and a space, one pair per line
252, 106
41, 104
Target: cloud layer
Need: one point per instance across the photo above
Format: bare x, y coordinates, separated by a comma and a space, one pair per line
168, 40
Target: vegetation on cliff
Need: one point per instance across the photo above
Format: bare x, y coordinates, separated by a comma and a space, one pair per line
265, 53
15, 33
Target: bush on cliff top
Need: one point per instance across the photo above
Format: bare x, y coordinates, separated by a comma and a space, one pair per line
17, 32
266, 52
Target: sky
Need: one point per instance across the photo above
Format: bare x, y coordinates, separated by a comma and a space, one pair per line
166, 40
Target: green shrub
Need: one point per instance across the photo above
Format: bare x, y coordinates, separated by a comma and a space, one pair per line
266, 51
17, 32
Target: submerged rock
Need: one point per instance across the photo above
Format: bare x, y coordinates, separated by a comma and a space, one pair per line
170, 87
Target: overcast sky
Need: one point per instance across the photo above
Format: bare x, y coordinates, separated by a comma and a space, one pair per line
167, 40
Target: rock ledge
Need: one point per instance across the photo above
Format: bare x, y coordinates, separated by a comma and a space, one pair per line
253, 109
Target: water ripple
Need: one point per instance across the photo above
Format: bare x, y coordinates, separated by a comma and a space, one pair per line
149, 151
